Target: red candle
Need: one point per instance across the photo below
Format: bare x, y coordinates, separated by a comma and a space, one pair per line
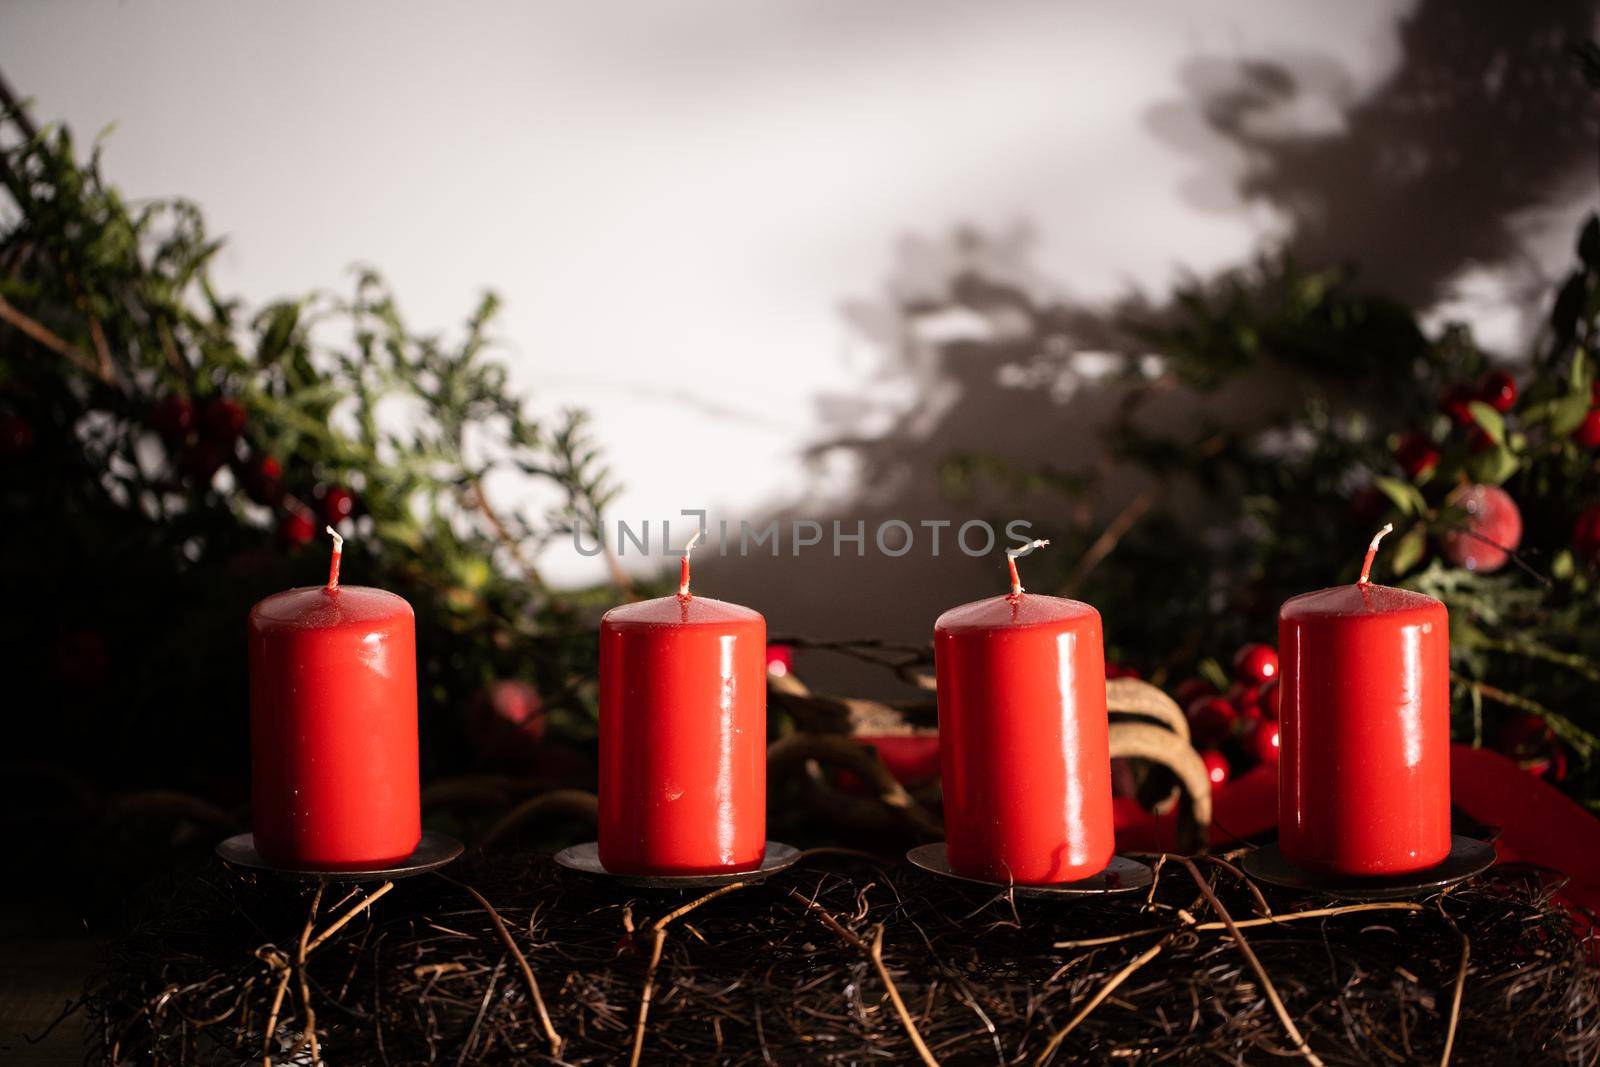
683, 735
1023, 737
1364, 770
333, 726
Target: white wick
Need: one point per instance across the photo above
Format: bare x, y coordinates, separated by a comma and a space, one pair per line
1023, 550
683, 571
1014, 554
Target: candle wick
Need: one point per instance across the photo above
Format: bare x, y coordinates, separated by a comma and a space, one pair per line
683, 567
1372, 552
333, 563
1012, 555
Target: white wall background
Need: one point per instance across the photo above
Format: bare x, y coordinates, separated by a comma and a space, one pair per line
675, 199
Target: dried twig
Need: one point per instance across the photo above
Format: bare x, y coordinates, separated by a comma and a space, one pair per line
1255, 964
51, 340
1460, 986
1095, 1001
522, 962
1243, 924
355, 909
874, 952
658, 938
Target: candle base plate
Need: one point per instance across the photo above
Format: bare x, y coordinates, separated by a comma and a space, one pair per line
585, 859
432, 852
1468, 857
1122, 875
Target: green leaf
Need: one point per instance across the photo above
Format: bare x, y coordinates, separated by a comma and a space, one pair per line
1409, 551
1563, 566
1567, 413
1407, 497
1212, 671
1489, 420
1493, 466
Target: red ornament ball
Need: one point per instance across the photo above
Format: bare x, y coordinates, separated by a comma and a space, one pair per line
1256, 664
1492, 529
1588, 432
1211, 720
1217, 769
1454, 402
16, 437
336, 504
1265, 741
172, 417
1499, 390
296, 528
1586, 534
1417, 454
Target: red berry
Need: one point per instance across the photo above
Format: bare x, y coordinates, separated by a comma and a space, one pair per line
223, 420
16, 437
1417, 454
1454, 402
1588, 432
1217, 769
1120, 670
297, 528
1271, 699
1491, 531
1191, 690
1265, 741
1256, 664
1246, 699
780, 660
1586, 534
172, 417
263, 480
1499, 390
1211, 720
337, 504
1478, 440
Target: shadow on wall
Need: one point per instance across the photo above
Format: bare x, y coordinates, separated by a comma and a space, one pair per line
1485, 118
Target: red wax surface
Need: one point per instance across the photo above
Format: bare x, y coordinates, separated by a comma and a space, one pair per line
1364, 769
683, 737
333, 728
1023, 739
